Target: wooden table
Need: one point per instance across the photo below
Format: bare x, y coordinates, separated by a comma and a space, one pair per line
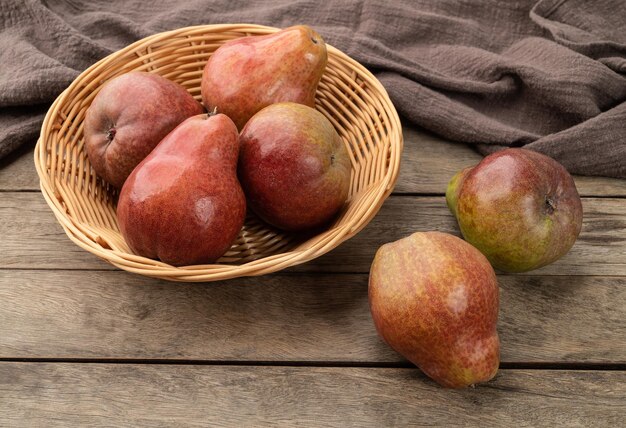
82, 343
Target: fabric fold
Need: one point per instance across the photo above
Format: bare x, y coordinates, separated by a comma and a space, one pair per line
549, 75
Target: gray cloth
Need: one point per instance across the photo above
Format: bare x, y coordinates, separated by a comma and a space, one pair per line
547, 75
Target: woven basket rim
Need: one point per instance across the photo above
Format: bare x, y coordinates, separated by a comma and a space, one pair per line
324, 242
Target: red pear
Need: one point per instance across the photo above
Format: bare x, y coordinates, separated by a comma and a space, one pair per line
520, 208
293, 166
130, 115
247, 74
183, 203
434, 299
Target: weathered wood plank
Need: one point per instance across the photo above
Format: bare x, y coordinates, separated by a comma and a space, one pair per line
89, 395
428, 162
75, 314
31, 237
17, 171
600, 249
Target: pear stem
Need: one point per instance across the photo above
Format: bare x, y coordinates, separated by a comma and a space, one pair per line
111, 134
550, 205
212, 113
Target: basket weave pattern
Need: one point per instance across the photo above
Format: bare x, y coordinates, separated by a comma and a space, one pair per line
348, 95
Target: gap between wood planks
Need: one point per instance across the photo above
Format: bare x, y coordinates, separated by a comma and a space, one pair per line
278, 274
431, 194
352, 364
401, 194
394, 193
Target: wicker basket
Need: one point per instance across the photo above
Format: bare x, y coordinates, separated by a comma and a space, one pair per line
348, 95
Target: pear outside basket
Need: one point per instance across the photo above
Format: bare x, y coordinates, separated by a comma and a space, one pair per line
348, 95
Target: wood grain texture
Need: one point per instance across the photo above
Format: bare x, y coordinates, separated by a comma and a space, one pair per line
600, 249
428, 163
32, 238
17, 171
90, 395
106, 315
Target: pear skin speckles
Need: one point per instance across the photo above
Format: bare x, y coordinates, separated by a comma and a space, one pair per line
128, 117
293, 166
434, 299
247, 74
183, 203
520, 208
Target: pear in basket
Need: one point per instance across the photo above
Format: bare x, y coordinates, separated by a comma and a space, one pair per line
128, 118
183, 203
293, 166
247, 74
